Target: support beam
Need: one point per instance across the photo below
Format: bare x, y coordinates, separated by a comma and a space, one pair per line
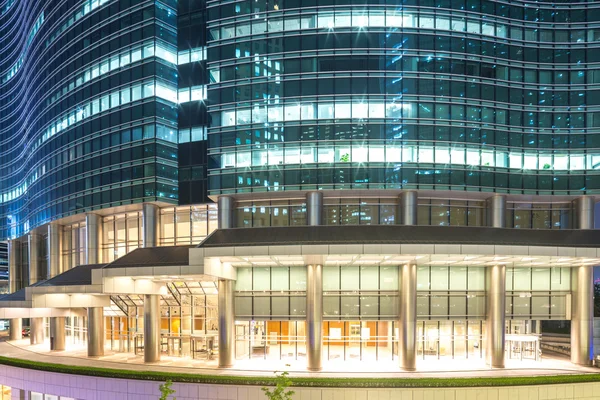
314, 208
583, 210
407, 207
495, 324
151, 225
95, 331
57, 333
582, 315
226, 323
36, 333
54, 246
34, 258
496, 211
14, 265
151, 328
407, 340
314, 316
16, 329
93, 235
226, 207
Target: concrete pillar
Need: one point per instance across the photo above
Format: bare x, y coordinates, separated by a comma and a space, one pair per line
407, 340
408, 202
36, 333
57, 333
95, 331
34, 258
226, 207
14, 265
226, 312
151, 225
151, 328
314, 316
496, 211
54, 250
582, 315
314, 208
93, 236
583, 212
496, 315
16, 329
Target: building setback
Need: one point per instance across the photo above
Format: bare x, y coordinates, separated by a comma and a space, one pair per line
321, 182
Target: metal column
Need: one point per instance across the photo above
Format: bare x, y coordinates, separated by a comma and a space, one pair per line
582, 315
314, 316
95, 331
54, 250
407, 340
93, 247
226, 206
57, 333
36, 333
314, 208
151, 328
14, 265
583, 208
151, 225
407, 207
226, 324
496, 211
16, 329
495, 324
34, 258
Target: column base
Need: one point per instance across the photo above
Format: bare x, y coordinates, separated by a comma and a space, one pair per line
408, 369
226, 366
314, 369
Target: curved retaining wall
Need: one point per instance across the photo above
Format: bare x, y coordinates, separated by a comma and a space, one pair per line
92, 388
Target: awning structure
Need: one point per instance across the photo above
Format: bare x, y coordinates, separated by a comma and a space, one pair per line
168, 270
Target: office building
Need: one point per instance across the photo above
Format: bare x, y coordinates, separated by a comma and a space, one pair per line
405, 181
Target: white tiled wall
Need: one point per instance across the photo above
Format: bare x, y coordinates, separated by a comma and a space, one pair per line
90, 388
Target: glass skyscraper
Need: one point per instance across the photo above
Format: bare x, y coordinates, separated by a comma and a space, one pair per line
354, 180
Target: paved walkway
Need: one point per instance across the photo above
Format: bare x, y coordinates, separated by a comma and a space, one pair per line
76, 355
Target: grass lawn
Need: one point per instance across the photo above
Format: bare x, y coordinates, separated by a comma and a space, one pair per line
304, 381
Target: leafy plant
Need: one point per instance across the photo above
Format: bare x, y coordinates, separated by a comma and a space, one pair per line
166, 391
547, 166
345, 157
280, 392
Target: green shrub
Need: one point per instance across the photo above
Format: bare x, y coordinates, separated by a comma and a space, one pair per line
166, 391
280, 392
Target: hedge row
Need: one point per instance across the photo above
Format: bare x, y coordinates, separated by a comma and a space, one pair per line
301, 381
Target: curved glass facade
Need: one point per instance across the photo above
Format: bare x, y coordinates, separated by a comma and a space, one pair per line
478, 95
88, 108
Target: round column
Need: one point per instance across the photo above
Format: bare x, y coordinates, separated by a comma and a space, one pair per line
407, 326
57, 333
226, 323
150, 225
407, 207
36, 333
496, 211
582, 315
14, 265
226, 206
16, 329
584, 212
151, 328
95, 331
54, 250
496, 315
34, 264
314, 316
314, 208
93, 234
